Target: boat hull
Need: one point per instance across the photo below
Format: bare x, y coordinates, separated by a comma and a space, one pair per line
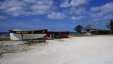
14, 36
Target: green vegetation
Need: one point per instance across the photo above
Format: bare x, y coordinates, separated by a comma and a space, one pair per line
102, 32
78, 28
89, 28
110, 26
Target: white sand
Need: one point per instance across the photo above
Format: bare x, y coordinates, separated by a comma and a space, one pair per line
76, 50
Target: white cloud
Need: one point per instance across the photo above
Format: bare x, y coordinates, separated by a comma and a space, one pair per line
65, 3
13, 7
2, 17
41, 7
56, 15
102, 13
78, 10
102, 10
30, 1
76, 17
109, 16
26, 7
71, 3
78, 2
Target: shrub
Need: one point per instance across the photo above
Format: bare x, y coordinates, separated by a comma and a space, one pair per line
103, 32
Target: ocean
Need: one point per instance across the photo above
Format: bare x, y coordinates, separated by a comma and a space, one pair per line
4, 33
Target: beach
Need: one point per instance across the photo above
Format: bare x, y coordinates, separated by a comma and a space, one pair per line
73, 50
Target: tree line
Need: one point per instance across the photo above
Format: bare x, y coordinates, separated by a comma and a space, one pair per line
109, 25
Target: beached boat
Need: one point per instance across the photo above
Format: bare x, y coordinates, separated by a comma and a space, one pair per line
27, 34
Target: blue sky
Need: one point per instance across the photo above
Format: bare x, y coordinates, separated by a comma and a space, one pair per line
54, 15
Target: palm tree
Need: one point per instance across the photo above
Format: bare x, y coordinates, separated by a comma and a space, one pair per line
110, 26
78, 28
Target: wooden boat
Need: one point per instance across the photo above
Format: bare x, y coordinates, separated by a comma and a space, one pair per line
27, 34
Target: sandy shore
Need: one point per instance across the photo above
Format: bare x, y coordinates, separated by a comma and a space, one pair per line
74, 50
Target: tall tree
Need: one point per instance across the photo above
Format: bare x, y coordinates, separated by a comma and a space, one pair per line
110, 26
78, 28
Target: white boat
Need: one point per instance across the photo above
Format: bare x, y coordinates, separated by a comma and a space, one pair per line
26, 35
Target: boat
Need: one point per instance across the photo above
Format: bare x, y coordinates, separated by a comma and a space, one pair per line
27, 34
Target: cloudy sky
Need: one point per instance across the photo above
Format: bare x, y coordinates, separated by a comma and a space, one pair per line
55, 15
